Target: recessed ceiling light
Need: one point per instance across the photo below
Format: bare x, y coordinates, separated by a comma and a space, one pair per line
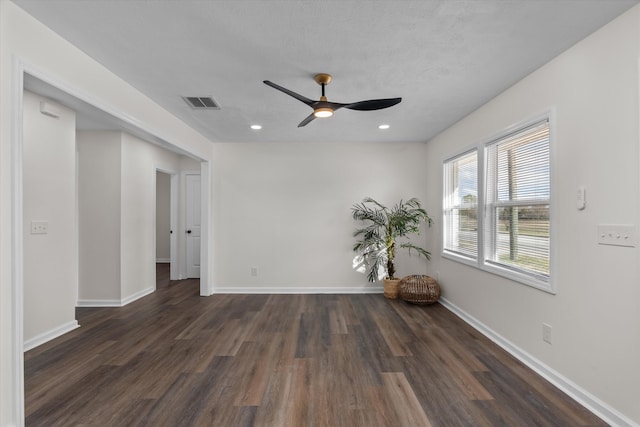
256, 127
383, 127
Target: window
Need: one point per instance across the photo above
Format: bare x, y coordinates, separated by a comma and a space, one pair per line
506, 228
517, 201
461, 205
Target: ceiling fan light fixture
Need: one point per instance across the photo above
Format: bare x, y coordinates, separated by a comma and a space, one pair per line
323, 108
323, 112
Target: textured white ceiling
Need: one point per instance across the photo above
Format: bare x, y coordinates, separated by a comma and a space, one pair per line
443, 57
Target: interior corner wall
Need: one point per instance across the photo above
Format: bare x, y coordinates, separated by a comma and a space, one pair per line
117, 195
595, 315
285, 209
49, 197
163, 217
99, 182
140, 160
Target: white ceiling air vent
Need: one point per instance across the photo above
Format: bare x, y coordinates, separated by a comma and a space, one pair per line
201, 102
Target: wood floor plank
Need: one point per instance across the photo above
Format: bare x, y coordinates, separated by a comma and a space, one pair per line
338, 322
461, 373
427, 327
281, 405
175, 358
346, 310
157, 369
392, 332
385, 414
526, 401
441, 399
69, 407
407, 407
261, 368
579, 416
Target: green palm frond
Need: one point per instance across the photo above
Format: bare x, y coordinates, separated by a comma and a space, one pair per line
364, 213
421, 251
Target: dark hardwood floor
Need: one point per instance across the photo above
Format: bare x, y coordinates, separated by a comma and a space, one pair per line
176, 359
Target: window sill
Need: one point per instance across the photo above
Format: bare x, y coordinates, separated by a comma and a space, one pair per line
545, 286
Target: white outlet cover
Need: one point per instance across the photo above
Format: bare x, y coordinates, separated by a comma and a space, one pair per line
39, 227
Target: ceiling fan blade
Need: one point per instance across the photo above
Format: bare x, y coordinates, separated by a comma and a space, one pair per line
290, 93
307, 120
373, 104
335, 105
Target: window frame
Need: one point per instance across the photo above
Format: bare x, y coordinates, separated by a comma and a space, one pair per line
482, 262
459, 255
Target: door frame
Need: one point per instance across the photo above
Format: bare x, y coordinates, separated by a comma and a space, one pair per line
173, 219
20, 68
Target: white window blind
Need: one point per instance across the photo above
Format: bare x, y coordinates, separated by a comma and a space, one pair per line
461, 205
517, 226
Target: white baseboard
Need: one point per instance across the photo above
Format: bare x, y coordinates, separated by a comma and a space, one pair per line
114, 302
288, 290
49, 335
163, 260
582, 396
138, 295
99, 303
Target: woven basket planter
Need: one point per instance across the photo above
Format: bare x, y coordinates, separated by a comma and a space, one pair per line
419, 289
391, 288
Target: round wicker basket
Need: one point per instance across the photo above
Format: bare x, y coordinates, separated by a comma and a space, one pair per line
419, 289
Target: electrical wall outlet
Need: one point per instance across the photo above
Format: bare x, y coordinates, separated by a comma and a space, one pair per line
546, 333
254, 271
39, 227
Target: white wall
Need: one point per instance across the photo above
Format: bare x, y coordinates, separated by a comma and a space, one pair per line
99, 154
25, 42
139, 163
48, 195
117, 202
595, 315
163, 217
286, 209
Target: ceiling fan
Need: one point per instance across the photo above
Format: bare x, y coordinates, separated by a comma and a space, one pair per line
324, 108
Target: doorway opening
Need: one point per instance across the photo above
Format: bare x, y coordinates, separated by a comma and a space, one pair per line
166, 220
43, 84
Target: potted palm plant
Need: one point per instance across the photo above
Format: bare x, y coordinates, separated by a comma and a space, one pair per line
384, 231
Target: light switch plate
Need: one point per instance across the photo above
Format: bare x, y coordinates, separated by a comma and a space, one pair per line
617, 235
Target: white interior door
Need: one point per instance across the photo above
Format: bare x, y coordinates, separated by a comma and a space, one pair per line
192, 199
